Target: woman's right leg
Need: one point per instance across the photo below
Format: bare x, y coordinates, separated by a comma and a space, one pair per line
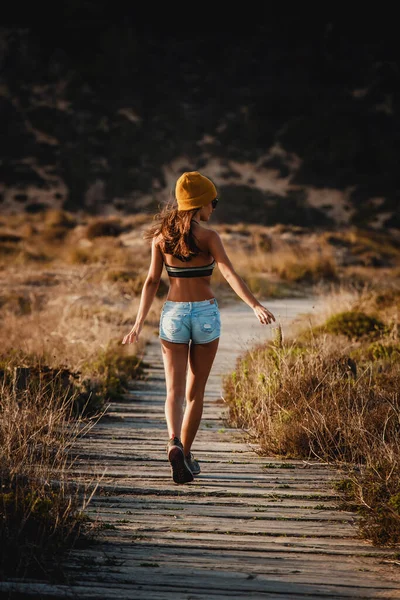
175, 359
201, 360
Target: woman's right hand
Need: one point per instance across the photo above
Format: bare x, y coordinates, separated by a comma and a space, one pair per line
133, 335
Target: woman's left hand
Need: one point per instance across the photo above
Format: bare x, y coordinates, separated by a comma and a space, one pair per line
263, 314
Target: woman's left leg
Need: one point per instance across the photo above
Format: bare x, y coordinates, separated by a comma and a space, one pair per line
201, 358
175, 359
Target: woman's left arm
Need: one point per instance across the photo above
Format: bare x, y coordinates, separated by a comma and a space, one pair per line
218, 251
149, 291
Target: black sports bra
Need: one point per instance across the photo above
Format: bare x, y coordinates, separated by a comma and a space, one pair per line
203, 271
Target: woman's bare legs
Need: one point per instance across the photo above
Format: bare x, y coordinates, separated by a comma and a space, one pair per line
201, 358
175, 358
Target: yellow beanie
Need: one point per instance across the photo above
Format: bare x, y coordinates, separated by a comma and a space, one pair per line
193, 190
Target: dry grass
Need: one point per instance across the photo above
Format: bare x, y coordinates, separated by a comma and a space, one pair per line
332, 393
59, 316
257, 250
41, 504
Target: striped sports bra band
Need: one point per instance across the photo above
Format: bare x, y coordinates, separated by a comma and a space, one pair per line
202, 271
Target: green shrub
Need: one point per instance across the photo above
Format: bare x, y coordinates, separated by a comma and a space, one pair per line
383, 351
354, 325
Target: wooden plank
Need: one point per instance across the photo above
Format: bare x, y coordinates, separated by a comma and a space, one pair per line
230, 576
227, 541
217, 511
129, 484
131, 589
233, 525
253, 559
233, 584
170, 502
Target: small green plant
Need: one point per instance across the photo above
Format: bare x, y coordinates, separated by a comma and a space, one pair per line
383, 351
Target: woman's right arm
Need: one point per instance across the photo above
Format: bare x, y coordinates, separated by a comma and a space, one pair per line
217, 250
149, 291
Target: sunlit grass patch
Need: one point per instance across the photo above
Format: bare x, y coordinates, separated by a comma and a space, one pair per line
299, 267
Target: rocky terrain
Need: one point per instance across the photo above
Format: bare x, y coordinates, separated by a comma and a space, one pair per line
296, 123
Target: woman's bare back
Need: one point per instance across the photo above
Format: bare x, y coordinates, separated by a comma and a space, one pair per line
191, 289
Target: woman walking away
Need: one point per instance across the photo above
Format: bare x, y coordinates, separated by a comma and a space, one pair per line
190, 324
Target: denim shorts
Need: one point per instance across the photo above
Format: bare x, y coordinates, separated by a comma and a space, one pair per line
181, 322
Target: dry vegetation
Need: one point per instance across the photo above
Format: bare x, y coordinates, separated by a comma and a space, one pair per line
331, 392
61, 363
41, 505
70, 289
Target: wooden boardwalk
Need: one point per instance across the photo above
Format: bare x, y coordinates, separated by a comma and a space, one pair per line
247, 527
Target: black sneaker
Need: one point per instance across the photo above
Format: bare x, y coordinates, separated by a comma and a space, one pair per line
181, 472
193, 464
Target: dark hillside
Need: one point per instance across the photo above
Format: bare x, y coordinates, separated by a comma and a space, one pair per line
296, 123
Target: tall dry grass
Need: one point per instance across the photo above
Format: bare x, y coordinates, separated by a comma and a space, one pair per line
262, 253
61, 364
332, 393
41, 503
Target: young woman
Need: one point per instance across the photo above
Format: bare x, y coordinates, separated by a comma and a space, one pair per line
190, 324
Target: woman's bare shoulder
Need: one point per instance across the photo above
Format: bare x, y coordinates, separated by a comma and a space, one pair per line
157, 240
158, 245
212, 236
206, 233
208, 239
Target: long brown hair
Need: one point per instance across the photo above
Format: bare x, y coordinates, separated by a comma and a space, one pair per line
174, 228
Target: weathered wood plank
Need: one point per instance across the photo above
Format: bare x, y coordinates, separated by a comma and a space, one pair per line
216, 470
261, 578
226, 525
169, 502
183, 589
230, 583
226, 541
294, 514
145, 486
